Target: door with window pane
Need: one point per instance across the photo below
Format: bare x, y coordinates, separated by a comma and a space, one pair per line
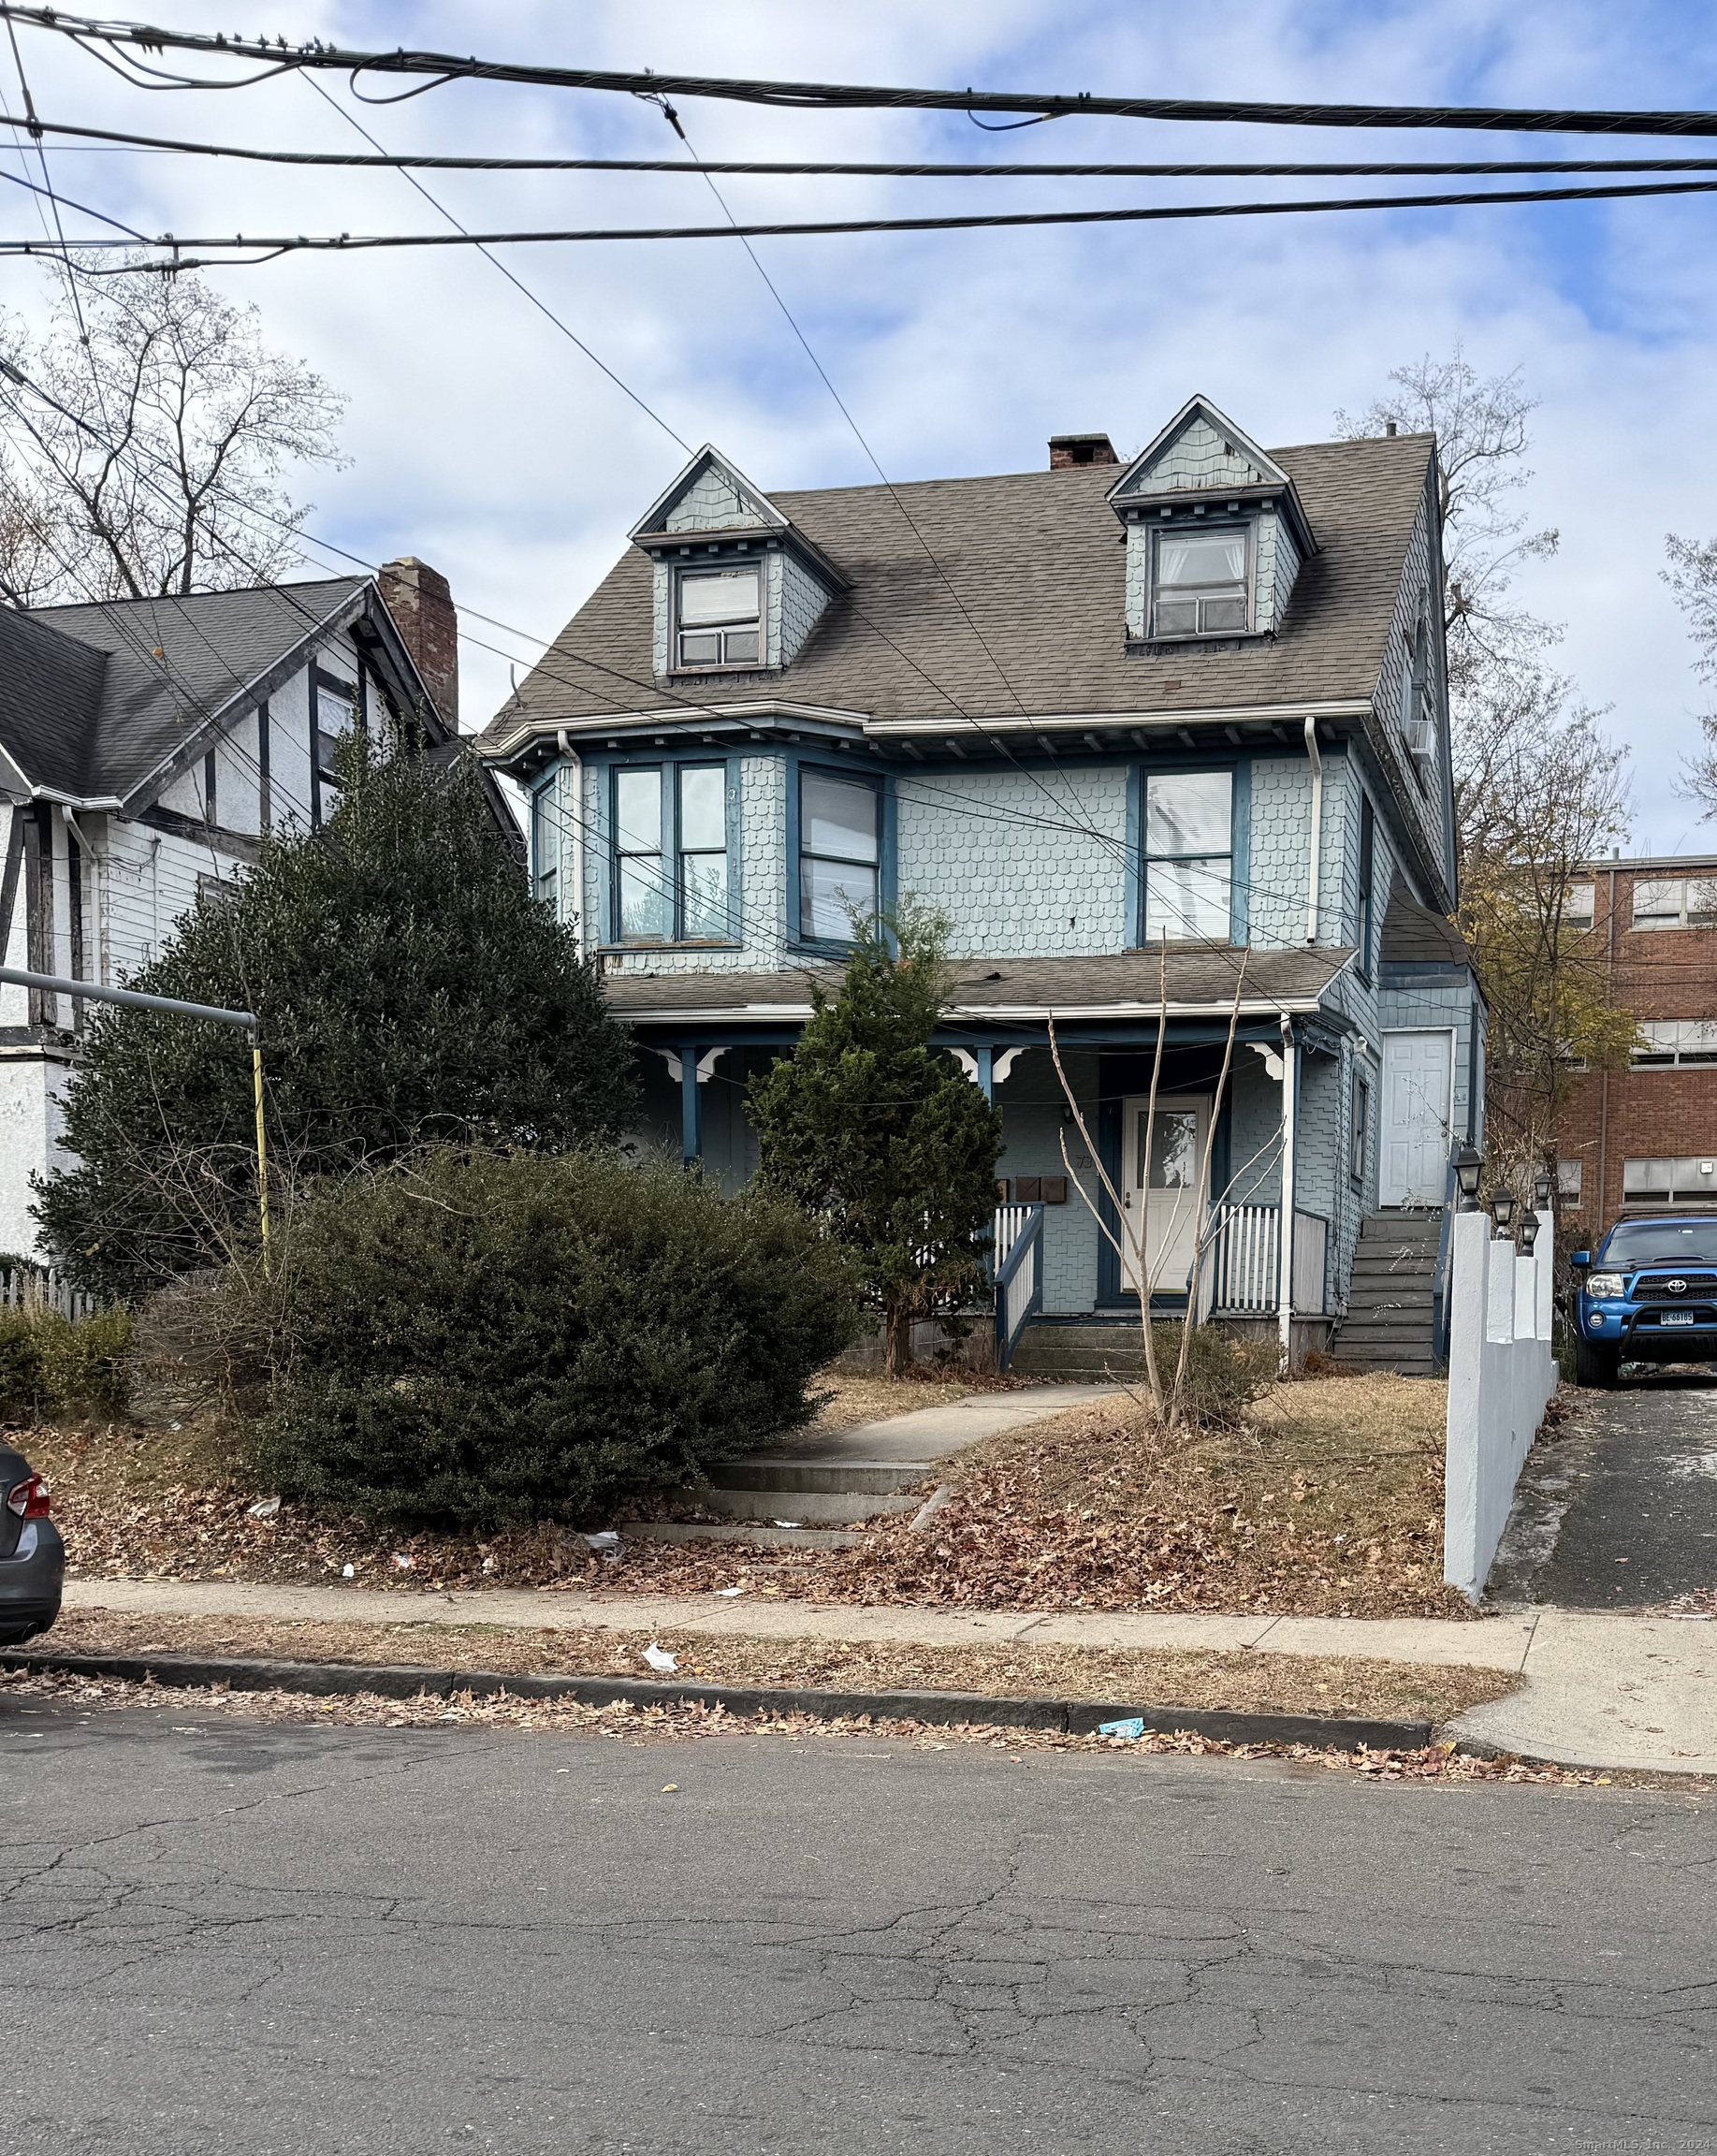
1172, 1155
839, 848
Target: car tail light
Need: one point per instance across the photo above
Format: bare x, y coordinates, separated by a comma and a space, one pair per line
28, 1498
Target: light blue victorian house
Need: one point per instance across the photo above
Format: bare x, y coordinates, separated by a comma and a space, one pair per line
1157, 737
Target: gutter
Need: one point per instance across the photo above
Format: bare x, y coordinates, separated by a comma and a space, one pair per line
1311, 895
576, 762
998, 1013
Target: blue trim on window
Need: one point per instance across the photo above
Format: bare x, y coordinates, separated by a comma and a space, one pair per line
603, 861
1239, 835
881, 784
1240, 858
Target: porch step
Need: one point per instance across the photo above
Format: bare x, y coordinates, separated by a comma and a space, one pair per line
1079, 1353
1391, 1304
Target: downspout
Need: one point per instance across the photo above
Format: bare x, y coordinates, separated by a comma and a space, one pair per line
571, 757
1285, 1239
1310, 896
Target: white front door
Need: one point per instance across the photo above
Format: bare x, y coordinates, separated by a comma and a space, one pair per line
1417, 1100
1173, 1157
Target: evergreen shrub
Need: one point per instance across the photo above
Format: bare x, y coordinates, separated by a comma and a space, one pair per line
488, 1341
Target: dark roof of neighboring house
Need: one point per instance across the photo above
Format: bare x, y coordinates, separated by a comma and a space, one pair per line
1413, 935
1204, 976
1036, 561
87, 709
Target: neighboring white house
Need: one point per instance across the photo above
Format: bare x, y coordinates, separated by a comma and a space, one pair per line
145, 746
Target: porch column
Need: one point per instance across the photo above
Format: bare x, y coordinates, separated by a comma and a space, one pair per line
1285, 1239
691, 1112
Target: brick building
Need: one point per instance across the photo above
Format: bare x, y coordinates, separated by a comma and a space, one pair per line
1648, 1135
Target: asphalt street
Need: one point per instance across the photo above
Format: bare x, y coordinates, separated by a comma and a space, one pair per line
258, 1940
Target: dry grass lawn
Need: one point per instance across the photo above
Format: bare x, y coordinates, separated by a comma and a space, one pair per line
1282, 1684
1328, 1501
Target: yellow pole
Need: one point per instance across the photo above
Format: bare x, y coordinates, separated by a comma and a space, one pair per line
262, 1158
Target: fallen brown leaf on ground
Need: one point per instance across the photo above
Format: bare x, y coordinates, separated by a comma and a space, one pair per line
1244, 1681
677, 1724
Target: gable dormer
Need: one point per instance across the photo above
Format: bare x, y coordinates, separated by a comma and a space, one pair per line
1215, 532
736, 588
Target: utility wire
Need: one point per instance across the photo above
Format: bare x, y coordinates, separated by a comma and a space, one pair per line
222, 253
783, 168
276, 57
517, 283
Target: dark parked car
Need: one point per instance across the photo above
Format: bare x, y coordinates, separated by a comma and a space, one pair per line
1649, 1295
32, 1556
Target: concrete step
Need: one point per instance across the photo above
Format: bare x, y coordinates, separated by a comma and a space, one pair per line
758, 1538
839, 1508
788, 1471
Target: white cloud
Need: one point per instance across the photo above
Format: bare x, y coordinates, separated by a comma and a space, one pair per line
482, 440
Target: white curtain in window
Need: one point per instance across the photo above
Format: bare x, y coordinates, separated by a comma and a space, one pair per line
720, 595
1201, 557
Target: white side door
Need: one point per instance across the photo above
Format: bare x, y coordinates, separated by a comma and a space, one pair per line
1173, 1157
1418, 1102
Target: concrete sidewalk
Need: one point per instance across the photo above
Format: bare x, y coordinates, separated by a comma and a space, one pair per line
1600, 1690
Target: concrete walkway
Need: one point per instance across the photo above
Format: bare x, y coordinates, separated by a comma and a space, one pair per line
1600, 1690
928, 1435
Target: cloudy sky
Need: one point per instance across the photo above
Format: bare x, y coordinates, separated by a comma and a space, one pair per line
482, 440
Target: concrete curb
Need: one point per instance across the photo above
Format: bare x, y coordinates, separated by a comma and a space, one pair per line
1060, 1717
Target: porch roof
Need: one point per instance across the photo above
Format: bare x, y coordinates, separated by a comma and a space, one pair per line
1201, 980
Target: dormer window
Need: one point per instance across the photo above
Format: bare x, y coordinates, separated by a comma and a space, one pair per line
1200, 582
718, 616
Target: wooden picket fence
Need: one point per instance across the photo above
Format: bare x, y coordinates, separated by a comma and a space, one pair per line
34, 1288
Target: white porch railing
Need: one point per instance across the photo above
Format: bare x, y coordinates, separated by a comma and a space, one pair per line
1011, 1223
1017, 1268
1242, 1262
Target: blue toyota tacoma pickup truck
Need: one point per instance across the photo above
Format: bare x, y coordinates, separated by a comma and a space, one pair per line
1647, 1294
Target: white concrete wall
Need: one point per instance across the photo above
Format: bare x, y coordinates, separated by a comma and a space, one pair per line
1501, 1373
30, 1127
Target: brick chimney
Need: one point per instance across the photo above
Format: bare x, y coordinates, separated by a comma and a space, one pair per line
421, 603
1066, 451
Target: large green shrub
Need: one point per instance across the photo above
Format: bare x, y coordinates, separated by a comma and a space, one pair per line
491, 1340
412, 991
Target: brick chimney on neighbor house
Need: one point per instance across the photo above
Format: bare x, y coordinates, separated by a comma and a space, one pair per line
421, 603
1066, 451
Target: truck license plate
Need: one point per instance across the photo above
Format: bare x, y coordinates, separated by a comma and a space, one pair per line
1677, 1318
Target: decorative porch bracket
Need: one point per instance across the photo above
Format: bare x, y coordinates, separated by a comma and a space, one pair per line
987, 1068
689, 1071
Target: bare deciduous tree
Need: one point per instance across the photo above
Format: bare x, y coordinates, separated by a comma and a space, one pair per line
151, 461
1480, 426
1692, 576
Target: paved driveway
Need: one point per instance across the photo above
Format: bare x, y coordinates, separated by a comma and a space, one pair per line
227, 1939
1620, 1511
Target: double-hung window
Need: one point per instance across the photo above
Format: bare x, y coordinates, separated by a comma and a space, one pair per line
545, 846
670, 854
1358, 1155
642, 912
1368, 881
1200, 584
718, 617
1188, 855
839, 849
336, 709
701, 828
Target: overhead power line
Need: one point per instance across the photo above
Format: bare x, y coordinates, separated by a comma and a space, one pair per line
202, 253
790, 169
138, 41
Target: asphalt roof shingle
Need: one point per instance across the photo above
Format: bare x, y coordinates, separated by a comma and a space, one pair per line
87, 709
998, 596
